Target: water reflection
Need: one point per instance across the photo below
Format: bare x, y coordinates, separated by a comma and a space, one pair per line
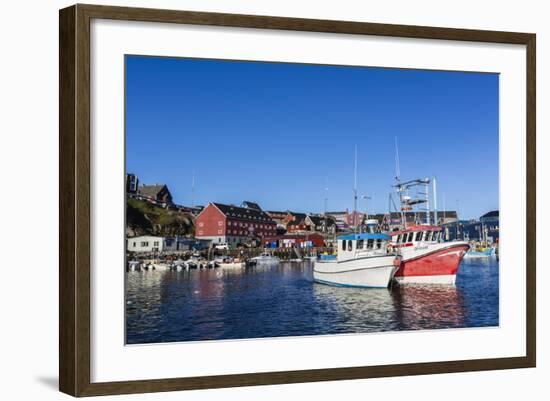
283, 300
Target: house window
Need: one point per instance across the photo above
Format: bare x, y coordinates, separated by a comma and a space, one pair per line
156, 243
144, 243
220, 223
201, 224
200, 232
134, 244
219, 231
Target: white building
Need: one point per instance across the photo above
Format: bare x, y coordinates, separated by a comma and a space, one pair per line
145, 243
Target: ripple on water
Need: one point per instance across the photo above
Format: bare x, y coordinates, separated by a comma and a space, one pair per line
284, 301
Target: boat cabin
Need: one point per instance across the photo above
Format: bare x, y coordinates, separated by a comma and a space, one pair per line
416, 235
355, 246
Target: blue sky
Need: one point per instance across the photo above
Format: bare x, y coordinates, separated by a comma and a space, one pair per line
279, 134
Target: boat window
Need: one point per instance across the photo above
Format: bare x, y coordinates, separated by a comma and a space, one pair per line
398, 239
410, 237
418, 237
350, 245
360, 244
343, 245
378, 244
370, 243
428, 236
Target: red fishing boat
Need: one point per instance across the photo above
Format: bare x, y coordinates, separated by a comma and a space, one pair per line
425, 258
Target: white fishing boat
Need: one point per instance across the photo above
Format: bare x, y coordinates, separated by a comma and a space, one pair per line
265, 258
363, 260
230, 263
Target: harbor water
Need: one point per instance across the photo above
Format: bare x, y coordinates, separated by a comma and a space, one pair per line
283, 300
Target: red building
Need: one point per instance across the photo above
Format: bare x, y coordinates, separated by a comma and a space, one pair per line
228, 224
296, 222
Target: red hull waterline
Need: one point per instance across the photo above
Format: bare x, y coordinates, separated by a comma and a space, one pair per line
433, 267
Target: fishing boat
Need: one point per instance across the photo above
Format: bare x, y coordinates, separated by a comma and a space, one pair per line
230, 263
363, 260
425, 259
480, 252
265, 258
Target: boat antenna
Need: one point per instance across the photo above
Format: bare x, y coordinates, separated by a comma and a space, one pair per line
400, 189
355, 191
397, 169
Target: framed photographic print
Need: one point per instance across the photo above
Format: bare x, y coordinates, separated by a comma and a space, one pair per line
250, 200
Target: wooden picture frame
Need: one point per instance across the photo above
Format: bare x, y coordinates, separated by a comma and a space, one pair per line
74, 204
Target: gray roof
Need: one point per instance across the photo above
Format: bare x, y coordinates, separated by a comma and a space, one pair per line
251, 205
320, 220
243, 213
151, 190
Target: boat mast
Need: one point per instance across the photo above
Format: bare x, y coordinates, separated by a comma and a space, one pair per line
398, 184
355, 192
435, 201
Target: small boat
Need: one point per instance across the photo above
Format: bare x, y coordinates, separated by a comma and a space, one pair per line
230, 263
160, 266
296, 260
250, 263
480, 252
266, 258
363, 260
134, 265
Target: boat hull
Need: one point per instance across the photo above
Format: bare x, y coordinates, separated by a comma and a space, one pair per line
236, 265
435, 264
372, 272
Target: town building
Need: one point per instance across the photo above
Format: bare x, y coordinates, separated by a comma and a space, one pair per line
179, 244
295, 241
157, 193
232, 225
487, 227
296, 222
339, 216
132, 184
145, 243
322, 224
355, 218
278, 217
